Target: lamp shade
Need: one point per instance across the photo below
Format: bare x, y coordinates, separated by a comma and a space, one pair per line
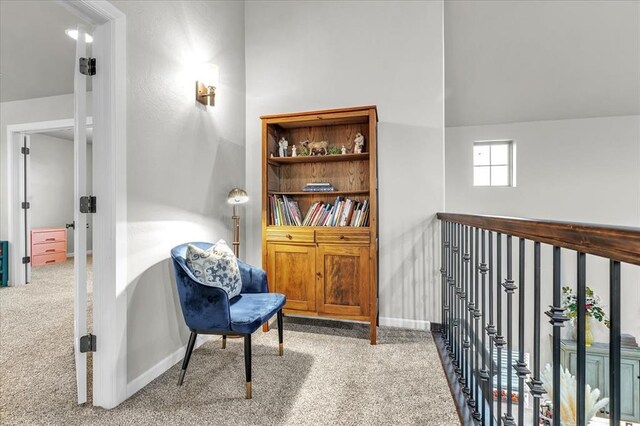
237, 196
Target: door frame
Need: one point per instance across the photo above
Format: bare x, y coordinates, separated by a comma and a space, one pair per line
16, 231
109, 186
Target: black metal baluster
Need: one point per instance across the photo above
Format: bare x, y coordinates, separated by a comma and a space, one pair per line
556, 313
509, 288
469, 322
443, 280
458, 289
465, 277
499, 340
460, 286
452, 294
484, 373
491, 331
520, 366
477, 313
454, 297
535, 384
614, 343
581, 300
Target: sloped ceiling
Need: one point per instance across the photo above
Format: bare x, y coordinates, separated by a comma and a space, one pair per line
511, 61
37, 58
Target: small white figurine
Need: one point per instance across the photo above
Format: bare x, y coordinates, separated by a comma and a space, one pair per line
358, 143
343, 150
293, 151
283, 144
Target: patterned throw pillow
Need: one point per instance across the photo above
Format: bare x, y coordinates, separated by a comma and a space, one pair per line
215, 267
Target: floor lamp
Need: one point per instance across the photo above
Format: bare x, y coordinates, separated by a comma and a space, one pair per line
236, 196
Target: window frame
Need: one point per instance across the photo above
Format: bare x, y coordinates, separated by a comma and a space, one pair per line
510, 162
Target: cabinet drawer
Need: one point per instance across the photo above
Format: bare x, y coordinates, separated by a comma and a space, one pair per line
56, 247
290, 235
48, 237
44, 259
360, 236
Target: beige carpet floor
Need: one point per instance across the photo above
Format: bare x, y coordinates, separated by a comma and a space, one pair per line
329, 375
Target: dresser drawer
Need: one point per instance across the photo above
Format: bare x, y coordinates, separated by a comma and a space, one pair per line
45, 259
360, 236
290, 235
47, 248
48, 236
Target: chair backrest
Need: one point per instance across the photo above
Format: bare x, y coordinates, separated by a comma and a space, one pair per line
204, 308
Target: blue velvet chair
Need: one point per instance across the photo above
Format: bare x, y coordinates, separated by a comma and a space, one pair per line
208, 310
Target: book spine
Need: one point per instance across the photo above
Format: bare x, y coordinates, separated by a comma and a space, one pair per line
309, 213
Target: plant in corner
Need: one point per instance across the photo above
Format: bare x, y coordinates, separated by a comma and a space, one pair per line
593, 306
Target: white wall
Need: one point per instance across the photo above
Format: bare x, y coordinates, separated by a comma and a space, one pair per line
315, 55
581, 170
51, 191
182, 159
516, 61
28, 111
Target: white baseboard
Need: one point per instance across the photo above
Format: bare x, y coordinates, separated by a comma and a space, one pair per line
71, 254
148, 376
405, 323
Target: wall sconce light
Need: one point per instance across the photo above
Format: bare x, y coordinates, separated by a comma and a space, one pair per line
208, 77
236, 196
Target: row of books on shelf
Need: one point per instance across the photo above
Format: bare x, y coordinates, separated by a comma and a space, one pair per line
284, 211
343, 212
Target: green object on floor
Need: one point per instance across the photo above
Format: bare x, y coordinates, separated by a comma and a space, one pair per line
4, 263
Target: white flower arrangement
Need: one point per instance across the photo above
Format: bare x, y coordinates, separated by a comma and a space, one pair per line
568, 395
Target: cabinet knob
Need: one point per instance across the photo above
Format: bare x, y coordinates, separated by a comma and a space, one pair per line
319, 274
342, 237
289, 236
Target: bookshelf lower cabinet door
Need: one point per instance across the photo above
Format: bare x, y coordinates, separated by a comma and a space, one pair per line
291, 272
343, 280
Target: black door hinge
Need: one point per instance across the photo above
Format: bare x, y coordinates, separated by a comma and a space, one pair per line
88, 204
24, 150
88, 66
26, 205
26, 259
88, 343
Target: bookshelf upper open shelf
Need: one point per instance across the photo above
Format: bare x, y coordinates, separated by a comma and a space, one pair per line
316, 193
277, 161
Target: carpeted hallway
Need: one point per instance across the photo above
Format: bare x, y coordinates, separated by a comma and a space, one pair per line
330, 375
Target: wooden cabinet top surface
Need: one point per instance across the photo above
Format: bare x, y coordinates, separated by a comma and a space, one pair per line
601, 348
354, 110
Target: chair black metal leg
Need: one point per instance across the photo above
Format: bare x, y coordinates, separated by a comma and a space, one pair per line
187, 356
247, 363
224, 341
280, 333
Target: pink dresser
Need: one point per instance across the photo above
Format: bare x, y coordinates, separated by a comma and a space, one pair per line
48, 245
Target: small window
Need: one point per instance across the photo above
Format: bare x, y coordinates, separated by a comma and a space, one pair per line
493, 163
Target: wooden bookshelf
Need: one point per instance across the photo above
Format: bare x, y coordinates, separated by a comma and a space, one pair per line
325, 271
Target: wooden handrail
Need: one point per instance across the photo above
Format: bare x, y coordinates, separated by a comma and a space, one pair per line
616, 243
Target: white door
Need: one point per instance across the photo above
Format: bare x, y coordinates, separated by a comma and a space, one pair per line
80, 234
